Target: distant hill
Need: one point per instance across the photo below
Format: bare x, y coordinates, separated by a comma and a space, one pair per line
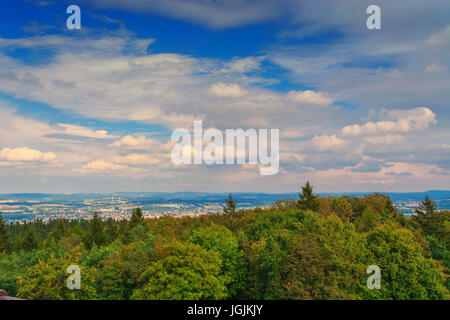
434, 194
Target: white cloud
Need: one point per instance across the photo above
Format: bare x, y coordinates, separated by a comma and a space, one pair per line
310, 97
407, 120
109, 45
102, 165
325, 142
136, 159
293, 133
18, 130
141, 142
84, 132
440, 39
114, 78
26, 154
388, 139
434, 67
245, 64
217, 14
172, 90
130, 141
231, 90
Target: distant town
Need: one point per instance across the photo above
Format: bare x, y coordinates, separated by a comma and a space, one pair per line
118, 206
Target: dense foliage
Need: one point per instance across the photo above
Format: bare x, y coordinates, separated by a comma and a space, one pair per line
311, 248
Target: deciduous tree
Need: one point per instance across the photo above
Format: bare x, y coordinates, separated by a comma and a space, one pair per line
184, 271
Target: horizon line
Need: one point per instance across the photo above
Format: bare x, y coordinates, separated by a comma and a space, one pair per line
225, 192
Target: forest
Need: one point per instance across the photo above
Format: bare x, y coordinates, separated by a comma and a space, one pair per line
307, 248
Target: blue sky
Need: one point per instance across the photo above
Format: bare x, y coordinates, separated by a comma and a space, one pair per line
92, 110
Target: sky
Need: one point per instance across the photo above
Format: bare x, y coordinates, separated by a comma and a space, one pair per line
93, 110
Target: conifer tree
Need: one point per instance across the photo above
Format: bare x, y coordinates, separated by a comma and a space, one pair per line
230, 205
137, 218
5, 243
95, 232
60, 230
31, 240
426, 216
308, 201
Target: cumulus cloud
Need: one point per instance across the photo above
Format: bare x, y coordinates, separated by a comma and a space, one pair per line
310, 97
325, 142
84, 132
388, 139
114, 78
26, 154
231, 90
292, 133
102, 165
136, 159
130, 141
141, 142
407, 120
434, 67
440, 39
368, 166
106, 79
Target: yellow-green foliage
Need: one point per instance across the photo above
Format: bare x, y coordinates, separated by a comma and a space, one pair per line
285, 251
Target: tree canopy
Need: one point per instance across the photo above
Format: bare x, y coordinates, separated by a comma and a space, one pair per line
310, 248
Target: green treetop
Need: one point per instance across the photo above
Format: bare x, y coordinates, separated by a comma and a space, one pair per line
230, 205
426, 215
308, 201
95, 233
4, 236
